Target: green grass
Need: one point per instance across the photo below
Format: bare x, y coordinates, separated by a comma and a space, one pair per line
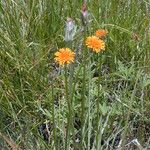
107, 93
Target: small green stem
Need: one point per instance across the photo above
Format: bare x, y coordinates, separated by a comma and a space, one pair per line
83, 97
71, 91
83, 92
98, 100
89, 106
69, 119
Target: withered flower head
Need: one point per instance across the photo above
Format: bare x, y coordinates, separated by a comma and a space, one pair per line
135, 37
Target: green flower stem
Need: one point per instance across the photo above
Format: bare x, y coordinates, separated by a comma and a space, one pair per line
98, 135
83, 99
69, 116
71, 71
83, 96
71, 91
90, 97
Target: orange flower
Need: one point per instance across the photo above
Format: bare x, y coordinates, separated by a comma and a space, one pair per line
64, 56
95, 43
101, 33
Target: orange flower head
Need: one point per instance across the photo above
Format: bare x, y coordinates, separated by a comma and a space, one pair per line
64, 56
101, 33
95, 43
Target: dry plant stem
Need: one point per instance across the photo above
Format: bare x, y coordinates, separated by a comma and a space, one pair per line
53, 117
69, 120
98, 136
10, 142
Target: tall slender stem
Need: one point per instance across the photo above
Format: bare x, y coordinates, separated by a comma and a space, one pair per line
71, 93
98, 102
83, 99
69, 120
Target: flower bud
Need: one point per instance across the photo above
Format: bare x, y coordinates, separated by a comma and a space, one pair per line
69, 30
84, 15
